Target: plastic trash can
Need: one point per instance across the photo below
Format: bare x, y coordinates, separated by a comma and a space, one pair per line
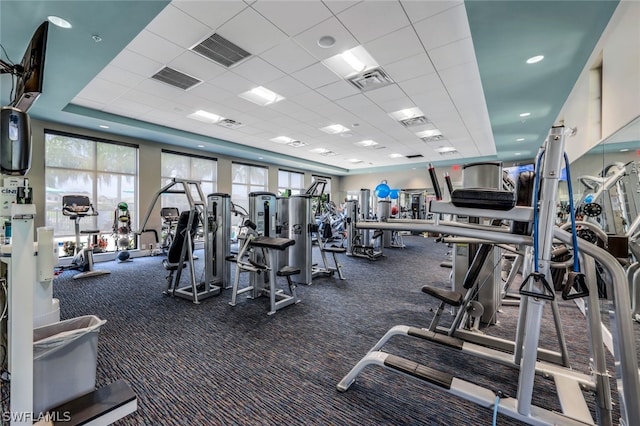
64, 361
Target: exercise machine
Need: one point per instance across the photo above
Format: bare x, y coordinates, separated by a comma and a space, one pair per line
218, 235
535, 292
122, 231
77, 207
181, 249
169, 217
301, 230
252, 242
358, 245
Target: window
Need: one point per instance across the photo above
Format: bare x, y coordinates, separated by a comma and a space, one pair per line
246, 179
293, 181
104, 171
191, 167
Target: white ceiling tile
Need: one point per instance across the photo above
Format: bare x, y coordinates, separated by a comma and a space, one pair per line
211, 13
422, 84
392, 105
288, 86
157, 88
338, 6
210, 92
369, 20
175, 25
102, 91
337, 90
118, 75
252, 32
136, 63
196, 66
397, 45
128, 108
309, 99
150, 100
239, 104
293, 17
288, 56
419, 10
452, 54
309, 39
155, 47
232, 82
258, 71
88, 103
316, 75
444, 28
355, 102
387, 93
411, 67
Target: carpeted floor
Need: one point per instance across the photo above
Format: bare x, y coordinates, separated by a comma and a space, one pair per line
213, 364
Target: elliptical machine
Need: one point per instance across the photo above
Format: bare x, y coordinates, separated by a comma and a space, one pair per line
77, 207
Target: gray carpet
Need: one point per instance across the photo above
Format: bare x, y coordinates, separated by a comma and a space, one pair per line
213, 364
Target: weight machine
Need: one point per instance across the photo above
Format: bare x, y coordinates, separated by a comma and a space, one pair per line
182, 246
535, 292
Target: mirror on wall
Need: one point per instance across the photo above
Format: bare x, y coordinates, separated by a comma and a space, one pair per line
606, 184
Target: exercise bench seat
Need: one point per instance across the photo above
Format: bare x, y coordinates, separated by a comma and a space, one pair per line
287, 271
334, 249
450, 297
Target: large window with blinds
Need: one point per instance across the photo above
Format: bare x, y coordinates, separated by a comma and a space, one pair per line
247, 178
105, 171
189, 167
288, 180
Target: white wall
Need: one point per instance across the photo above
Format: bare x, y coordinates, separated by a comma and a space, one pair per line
619, 49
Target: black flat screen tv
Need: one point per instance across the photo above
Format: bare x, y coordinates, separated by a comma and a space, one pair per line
31, 79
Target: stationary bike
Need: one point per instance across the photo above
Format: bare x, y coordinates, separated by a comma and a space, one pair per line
76, 207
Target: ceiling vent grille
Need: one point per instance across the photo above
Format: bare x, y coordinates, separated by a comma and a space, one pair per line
297, 144
230, 124
328, 153
414, 121
221, 50
372, 79
176, 78
435, 138
445, 153
411, 157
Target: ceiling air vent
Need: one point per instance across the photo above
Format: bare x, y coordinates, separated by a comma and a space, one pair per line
296, 144
454, 152
415, 121
371, 79
221, 50
175, 78
411, 157
230, 124
434, 138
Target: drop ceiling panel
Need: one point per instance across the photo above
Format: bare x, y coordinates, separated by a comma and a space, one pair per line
452, 54
419, 10
397, 45
196, 66
128, 109
156, 88
211, 13
370, 20
88, 103
444, 28
232, 82
262, 35
210, 92
309, 99
175, 25
258, 71
355, 102
337, 90
293, 17
118, 75
150, 100
136, 63
288, 57
387, 93
155, 47
288, 87
316, 75
102, 91
421, 85
337, 6
309, 39
408, 68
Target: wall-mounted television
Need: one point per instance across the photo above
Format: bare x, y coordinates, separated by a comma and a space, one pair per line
31, 73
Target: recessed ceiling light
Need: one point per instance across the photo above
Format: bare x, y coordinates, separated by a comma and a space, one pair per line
319, 150
58, 21
429, 133
353, 62
445, 149
525, 114
103, 126
395, 155
624, 150
326, 41
535, 59
355, 160
406, 113
261, 96
517, 153
519, 139
367, 143
282, 139
334, 129
260, 158
205, 116
200, 146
